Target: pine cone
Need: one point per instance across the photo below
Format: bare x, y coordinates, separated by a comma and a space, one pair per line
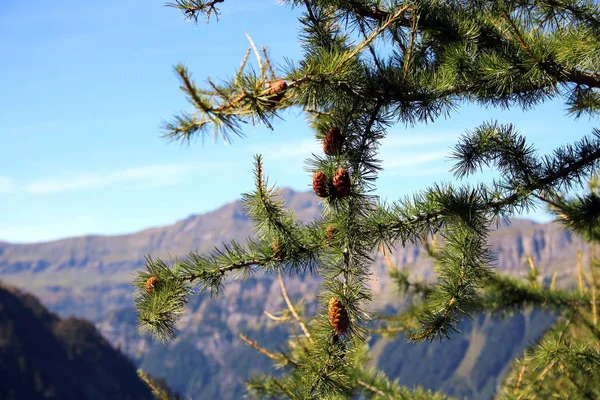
150, 283
341, 182
320, 184
330, 233
275, 91
338, 317
278, 250
332, 144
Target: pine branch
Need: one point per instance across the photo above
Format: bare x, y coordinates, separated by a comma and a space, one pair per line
376, 386
441, 53
160, 306
192, 9
503, 293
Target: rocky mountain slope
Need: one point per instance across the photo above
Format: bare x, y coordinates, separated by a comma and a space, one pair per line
91, 277
44, 357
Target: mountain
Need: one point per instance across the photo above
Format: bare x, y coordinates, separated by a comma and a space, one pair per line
45, 357
91, 277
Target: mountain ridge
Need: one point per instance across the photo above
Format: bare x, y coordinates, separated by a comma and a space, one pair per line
92, 277
285, 194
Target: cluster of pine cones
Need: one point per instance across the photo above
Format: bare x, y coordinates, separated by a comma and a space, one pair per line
339, 185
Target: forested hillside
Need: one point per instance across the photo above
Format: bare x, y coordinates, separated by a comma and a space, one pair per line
45, 357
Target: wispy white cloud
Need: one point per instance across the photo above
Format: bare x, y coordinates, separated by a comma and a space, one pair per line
32, 232
420, 139
416, 172
134, 177
389, 146
249, 7
7, 185
297, 149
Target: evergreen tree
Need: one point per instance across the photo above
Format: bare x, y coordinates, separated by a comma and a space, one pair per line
366, 65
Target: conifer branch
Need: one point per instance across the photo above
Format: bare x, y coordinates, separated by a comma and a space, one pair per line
402, 277
377, 386
278, 225
505, 293
192, 9
442, 53
160, 307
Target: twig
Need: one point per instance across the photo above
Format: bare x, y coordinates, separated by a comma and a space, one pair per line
258, 58
579, 272
382, 331
191, 9
539, 379
429, 248
594, 284
290, 306
517, 33
371, 48
520, 378
594, 307
553, 283
223, 270
269, 67
551, 202
275, 318
413, 34
158, 391
372, 388
262, 350
242, 65
388, 261
376, 33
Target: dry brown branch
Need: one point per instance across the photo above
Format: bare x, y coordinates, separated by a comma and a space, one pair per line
372, 388
275, 318
291, 306
579, 272
520, 378
254, 344
258, 57
156, 390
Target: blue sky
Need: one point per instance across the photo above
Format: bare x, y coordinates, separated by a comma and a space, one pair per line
84, 86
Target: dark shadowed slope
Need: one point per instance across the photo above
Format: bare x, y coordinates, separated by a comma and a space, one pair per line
44, 357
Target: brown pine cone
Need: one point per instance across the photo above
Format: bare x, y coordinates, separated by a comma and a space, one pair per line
278, 250
341, 182
330, 233
338, 316
275, 91
332, 144
320, 184
150, 283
